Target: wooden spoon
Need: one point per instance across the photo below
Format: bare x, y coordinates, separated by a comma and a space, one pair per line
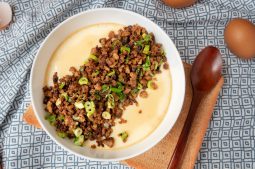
5, 15
205, 74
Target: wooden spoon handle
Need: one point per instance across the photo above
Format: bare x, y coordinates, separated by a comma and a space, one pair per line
182, 141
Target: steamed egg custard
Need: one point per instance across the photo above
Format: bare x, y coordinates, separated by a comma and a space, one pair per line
141, 119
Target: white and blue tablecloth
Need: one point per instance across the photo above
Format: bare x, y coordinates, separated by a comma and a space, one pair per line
229, 141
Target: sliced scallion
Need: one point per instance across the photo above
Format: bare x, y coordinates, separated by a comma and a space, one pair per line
106, 115
147, 38
139, 43
124, 48
149, 84
79, 105
139, 86
76, 118
79, 140
83, 81
90, 108
111, 73
123, 136
115, 43
134, 91
65, 96
110, 101
77, 132
61, 85
58, 102
51, 118
121, 96
147, 64
146, 49
127, 59
61, 117
116, 90
105, 88
95, 73
156, 66
61, 134
93, 57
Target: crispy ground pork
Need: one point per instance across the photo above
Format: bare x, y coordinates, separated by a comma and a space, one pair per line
85, 105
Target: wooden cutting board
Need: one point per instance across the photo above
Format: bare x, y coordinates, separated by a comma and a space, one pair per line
159, 156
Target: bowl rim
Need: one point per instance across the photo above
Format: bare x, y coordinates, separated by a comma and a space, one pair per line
66, 148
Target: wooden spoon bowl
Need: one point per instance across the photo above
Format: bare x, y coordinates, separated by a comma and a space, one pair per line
205, 74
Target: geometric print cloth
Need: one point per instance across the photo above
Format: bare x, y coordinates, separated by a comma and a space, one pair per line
229, 140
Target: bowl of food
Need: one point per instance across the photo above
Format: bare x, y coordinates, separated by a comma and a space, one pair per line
107, 84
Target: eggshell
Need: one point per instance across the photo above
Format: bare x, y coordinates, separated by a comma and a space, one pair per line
5, 15
179, 3
239, 36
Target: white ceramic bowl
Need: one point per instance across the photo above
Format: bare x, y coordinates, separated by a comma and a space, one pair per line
102, 16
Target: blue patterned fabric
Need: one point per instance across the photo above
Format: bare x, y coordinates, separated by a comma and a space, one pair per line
229, 141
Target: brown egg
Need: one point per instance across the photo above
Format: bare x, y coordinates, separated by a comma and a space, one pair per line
179, 3
239, 36
5, 15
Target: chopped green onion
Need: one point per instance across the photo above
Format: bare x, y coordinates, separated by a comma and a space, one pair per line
97, 96
95, 73
162, 52
146, 49
105, 88
161, 61
81, 69
146, 37
69, 99
115, 43
93, 57
61, 117
116, 90
76, 118
137, 70
58, 102
110, 101
139, 86
147, 64
124, 48
156, 66
85, 62
111, 73
83, 81
65, 96
90, 111
141, 74
61, 134
127, 59
121, 96
120, 86
51, 118
123, 136
134, 91
139, 43
79, 105
89, 104
79, 140
149, 84
106, 115
77, 132
62, 85
90, 108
